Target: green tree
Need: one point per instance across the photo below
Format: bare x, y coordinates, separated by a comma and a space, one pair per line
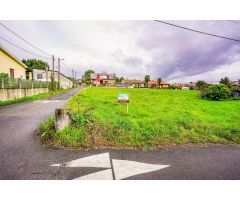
4, 75
201, 85
226, 81
35, 64
217, 92
119, 79
87, 76
159, 80
147, 79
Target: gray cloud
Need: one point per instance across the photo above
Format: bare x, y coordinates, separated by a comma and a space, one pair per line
135, 48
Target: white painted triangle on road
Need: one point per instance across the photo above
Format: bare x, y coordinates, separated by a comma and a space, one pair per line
99, 160
56, 165
101, 175
125, 168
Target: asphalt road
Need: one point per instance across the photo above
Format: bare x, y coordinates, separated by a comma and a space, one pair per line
23, 157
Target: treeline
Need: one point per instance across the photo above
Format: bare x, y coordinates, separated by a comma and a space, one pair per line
224, 90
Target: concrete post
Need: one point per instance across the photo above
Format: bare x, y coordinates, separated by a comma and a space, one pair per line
62, 119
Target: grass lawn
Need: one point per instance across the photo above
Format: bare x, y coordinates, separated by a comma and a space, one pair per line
32, 98
156, 117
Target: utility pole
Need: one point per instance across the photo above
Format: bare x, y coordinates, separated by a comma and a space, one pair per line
73, 78
58, 73
46, 71
76, 78
53, 72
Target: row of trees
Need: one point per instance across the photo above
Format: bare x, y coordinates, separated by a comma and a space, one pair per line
147, 79
224, 90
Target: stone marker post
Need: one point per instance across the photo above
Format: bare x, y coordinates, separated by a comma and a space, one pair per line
62, 119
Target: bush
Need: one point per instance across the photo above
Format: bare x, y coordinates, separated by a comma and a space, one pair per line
4, 75
80, 119
46, 130
217, 92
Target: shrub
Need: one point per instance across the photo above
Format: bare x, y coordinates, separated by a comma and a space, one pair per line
217, 92
4, 75
80, 119
46, 130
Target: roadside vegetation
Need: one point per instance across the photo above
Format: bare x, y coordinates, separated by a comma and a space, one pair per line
33, 98
156, 118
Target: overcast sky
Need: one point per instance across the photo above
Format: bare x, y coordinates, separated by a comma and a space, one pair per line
134, 48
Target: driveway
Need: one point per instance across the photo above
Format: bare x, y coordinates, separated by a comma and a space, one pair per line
23, 157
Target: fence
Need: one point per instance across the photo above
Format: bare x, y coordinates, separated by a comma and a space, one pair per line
15, 83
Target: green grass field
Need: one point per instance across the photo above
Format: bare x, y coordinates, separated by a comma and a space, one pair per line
156, 118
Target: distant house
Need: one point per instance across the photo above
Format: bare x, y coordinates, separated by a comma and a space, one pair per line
40, 75
103, 79
11, 65
185, 88
177, 85
235, 82
133, 83
192, 84
44, 75
154, 83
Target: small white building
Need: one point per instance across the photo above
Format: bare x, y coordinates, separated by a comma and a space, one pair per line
44, 75
40, 75
185, 88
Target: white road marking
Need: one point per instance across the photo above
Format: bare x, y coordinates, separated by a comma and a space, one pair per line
46, 101
125, 168
121, 168
101, 175
56, 165
99, 160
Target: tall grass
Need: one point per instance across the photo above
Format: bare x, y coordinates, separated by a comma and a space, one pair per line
156, 117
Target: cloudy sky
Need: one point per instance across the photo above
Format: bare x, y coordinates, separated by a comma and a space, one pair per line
134, 48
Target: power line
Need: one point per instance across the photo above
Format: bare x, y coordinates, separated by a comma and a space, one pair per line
209, 34
23, 48
24, 39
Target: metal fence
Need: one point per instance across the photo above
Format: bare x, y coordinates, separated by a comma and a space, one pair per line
15, 83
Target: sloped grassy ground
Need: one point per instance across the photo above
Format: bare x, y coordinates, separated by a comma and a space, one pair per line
156, 117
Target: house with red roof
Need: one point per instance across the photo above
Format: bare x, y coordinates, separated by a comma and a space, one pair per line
154, 83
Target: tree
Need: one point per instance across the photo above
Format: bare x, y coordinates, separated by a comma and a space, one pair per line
201, 85
119, 79
4, 75
87, 76
217, 92
35, 64
226, 81
147, 79
239, 82
159, 80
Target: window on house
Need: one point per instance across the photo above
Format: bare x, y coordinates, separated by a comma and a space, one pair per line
39, 76
11, 73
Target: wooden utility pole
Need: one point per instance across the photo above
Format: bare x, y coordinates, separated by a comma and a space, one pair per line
58, 73
46, 71
73, 78
53, 79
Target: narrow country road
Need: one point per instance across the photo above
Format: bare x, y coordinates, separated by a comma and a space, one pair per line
23, 157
